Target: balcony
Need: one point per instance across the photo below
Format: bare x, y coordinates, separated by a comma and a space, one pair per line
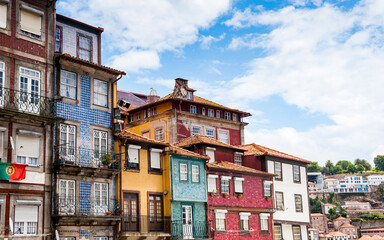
86, 211
146, 226
19, 102
195, 229
84, 161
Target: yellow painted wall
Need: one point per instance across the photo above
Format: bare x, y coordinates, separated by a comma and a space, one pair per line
167, 185
164, 107
151, 125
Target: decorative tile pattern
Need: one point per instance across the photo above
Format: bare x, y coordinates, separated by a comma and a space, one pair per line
85, 197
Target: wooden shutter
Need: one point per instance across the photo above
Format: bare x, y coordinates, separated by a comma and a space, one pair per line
30, 22
155, 158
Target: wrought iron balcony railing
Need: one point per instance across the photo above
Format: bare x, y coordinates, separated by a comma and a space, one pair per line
24, 102
84, 157
87, 207
145, 223
189, 230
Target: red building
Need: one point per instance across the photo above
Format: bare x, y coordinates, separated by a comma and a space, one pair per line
240, 199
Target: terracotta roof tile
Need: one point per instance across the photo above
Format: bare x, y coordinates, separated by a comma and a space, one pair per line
347, 225
333, 234
133, 136
258, 150
234, 167
201, 139
183, 152
341, 219
317, 215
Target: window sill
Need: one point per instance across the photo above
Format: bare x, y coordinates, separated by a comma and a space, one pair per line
156, 172
70, 101
264, 232
132, 170
244, 232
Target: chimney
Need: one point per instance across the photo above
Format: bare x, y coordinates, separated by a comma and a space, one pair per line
153, 96
181, 86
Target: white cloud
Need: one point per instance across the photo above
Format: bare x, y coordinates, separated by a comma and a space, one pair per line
327, 60
149, 26
206, 41
134, 60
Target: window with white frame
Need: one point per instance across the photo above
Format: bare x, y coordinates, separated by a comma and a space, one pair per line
218, 114
190, 95
296, 232
210, 152
2, 133
234, 117
154, 111
100, 93
195, 130
195, 173
267, 188
29, 86
159, 134
278, 171
133, 160
58, 39
84, 47
101, 198
203, 111
155, 155
192, 109
225, 184
279, 201
67, 142
238, 159
211, 113
68, 84
100, 142
223, 136
220, 219
3, 14
238, 183
212, 187
31, 21
183, 172
138, 116
28, 147
67, 197
277, 232
26, 217
244, 220
264, 226
210, 132
298, 203
2, 83
227, 116
296, 173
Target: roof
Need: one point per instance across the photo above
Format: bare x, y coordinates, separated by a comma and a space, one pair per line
347, 225
133, 136
234, 167
70, 58
365, 210
201, 139
333, 234
98, 29
317, 215
356, 202
341, 219
130, 97
183, 152
328, 204
258, 150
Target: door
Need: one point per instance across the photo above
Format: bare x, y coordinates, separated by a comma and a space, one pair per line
67, 200
130, 208
187, 222
67, 143
156, 223
101, 198
29, 87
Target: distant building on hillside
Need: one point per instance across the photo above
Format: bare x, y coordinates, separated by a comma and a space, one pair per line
375, 179
355, 205
319, 222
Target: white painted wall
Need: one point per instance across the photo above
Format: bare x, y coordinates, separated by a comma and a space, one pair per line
34, 177
288, 234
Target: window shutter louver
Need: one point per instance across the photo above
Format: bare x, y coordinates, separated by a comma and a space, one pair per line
28, 146
30, 22
3, 15
155, 158
25, 213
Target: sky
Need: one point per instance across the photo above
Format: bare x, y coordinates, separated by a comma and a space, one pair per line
309, 71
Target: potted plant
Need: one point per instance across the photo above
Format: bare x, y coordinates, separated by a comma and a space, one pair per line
84, 214
213, 193
225, 195
108, 213
239, 195
106, 160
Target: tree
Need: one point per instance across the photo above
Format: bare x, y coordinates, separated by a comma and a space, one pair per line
360, 168
363, 162
344, 164
329, 164
314, 167
379, 162
352, 169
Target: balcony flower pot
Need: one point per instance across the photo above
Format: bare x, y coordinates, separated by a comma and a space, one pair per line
83, 214
109, 213
225, 195
106, 160
239, 195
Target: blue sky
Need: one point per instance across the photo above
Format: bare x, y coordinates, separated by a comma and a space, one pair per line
308, 70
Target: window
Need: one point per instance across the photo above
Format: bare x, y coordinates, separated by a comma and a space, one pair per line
192, 109
264, 226
210, 132
100, 238
30, 22
203, 111
67, 142
68, 84
244, 221
146, 134
195, 173
101, 198
277, 231
25, 220
296, 232
155, 208
223, 136
3, 15
225, 184
59, 39
155, 155
210, 113
133, 157
296, 173
67, 194
238, 159
210, 152
220, 219
212, 183
217, 113
267, 188
234, 117
2, 133
159, 134
195, 130
238, 182
279, 201
138, 116
183, 172
29, 87
190, 95
28, 148
100, 143
100, 93
154, 111
298, 203
2, 83
278, 171
227, 116
84, 47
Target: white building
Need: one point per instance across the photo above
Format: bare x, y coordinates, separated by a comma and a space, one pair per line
355, 205
375, 179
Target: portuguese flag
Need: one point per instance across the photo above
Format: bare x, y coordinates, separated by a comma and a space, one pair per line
12, 171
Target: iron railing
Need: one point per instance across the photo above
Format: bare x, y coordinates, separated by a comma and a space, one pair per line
85, 157
87, 207
31, 103
194, 229
145, 223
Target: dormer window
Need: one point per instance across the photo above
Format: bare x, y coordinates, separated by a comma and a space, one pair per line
190, 95
203, 111
227, 116
238, 158
192, 109
217, 113
234, 117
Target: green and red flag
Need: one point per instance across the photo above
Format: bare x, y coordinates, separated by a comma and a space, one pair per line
12, 171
